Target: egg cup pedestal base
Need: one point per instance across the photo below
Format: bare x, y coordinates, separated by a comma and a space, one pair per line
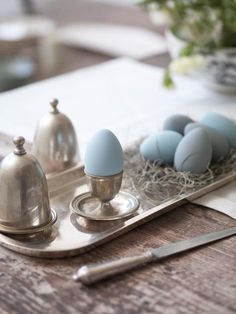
90, 207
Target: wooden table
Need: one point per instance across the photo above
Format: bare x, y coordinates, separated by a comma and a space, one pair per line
201, 281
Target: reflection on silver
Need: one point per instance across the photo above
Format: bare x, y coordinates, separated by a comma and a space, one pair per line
55, 143
104, 201
105, 188
92, 226
71, 237
24, 201
90, 207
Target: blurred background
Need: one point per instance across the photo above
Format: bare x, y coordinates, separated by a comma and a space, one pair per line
44, 38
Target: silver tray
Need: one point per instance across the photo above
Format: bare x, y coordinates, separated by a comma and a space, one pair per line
72, 234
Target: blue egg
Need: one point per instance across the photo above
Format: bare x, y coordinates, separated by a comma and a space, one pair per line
104, 155
221, 124
177, 123
161, 147
194, 152
220, 145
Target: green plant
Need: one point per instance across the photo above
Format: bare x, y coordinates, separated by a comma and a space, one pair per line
205, 25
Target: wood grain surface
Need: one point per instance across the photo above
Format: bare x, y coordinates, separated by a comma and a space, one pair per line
200, 281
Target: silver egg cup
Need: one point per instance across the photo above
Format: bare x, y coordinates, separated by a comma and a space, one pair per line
105, 201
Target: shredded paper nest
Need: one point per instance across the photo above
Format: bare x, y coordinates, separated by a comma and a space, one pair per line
155, 183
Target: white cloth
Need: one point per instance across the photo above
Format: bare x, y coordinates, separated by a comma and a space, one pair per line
113, 40
222, 200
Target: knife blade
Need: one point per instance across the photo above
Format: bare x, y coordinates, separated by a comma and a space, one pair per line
92, 273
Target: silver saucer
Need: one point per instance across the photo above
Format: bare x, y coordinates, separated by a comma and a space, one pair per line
90, 207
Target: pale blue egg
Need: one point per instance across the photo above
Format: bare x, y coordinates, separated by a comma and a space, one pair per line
177, 123
220, 145
221, 124
194, 152
161, 147
103, 155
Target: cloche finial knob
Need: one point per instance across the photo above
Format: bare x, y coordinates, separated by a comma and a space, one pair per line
54, 102
19, 141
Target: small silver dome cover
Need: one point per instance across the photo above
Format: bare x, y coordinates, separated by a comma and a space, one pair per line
55, 143
24, 201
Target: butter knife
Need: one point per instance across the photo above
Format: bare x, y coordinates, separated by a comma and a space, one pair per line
92, 273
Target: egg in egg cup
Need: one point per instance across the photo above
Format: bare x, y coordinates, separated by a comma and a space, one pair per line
104, 171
